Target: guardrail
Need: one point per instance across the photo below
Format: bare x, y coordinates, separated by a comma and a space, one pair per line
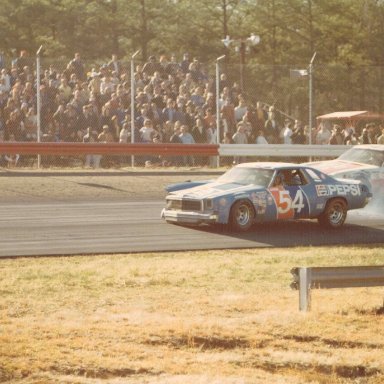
282, 150
305, 279
268, 150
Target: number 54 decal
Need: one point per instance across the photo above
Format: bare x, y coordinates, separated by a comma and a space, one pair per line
286, 205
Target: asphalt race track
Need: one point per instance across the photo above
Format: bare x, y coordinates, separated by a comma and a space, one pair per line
64, 228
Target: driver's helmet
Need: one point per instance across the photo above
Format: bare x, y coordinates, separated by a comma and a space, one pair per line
287, 177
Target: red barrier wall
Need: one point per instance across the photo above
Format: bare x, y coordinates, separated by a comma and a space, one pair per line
27, 148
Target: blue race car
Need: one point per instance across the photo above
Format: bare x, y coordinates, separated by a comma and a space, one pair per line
264, 192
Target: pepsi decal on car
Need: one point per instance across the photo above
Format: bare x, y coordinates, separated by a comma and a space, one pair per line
338, 189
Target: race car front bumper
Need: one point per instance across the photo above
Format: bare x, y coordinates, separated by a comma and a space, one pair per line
188, 217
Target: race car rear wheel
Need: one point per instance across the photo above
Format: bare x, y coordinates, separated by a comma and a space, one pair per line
241, 216
334, 214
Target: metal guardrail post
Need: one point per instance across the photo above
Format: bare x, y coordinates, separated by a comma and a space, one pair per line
302, 280
305, 279
305, 289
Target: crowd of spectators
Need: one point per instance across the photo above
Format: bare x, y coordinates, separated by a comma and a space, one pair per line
174, 102
370, 133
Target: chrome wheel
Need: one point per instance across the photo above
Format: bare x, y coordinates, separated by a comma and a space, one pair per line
242, 215
334, 214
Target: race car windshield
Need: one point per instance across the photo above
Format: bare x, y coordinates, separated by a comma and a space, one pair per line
245, 176
365, 156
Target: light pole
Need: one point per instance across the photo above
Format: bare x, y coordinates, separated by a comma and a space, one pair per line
242, 47
310, 87
133, 103
218, 95
218, 103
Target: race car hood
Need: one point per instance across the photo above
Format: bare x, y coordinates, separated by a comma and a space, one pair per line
215, 189
334, 167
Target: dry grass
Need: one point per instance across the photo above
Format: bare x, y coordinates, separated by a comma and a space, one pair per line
198, 317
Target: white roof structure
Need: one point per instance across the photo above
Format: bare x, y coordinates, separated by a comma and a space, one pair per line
350, 117
344, 115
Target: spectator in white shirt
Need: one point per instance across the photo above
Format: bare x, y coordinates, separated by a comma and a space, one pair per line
125, 133
260, 138
147, 131
240, 137
5, 81
287, 132
187, 138
323, 135
240, 110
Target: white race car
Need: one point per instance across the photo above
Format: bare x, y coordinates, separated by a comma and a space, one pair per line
361, 162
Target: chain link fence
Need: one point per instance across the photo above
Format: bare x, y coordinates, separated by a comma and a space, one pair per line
166, 100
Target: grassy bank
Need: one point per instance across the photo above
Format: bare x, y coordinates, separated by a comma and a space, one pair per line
196, 317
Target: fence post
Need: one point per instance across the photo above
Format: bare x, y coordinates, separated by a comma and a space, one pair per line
133, 103
218, 105
38, 100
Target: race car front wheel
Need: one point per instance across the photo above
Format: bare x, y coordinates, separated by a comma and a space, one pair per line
334, 214
241, 216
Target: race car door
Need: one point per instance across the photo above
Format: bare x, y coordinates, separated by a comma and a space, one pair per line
290, 195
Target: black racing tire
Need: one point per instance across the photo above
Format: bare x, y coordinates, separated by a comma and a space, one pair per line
241, 216
334, 214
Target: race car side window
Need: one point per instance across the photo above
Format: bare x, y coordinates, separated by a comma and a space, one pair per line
294, 177
299, 175
314, 175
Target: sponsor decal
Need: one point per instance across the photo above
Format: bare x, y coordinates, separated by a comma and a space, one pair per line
259, 199
338, 189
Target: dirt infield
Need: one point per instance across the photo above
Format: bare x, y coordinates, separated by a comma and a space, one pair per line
32, 186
